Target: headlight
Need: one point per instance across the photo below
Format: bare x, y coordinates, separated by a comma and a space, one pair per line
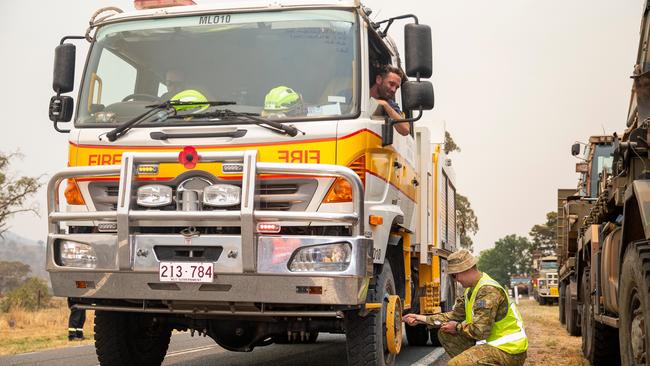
154, 195
221, 195
328, 257
75, 254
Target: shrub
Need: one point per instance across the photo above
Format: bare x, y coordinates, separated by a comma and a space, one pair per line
32, 295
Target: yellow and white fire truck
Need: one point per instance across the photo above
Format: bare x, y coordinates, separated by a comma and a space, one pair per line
229, 174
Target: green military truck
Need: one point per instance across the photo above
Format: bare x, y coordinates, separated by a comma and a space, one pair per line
574, 206
607, 235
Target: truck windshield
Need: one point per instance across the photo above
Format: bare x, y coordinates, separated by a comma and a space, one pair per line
549, 265
603, 160
299, 64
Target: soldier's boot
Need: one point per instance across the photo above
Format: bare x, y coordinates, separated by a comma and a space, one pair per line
72, 334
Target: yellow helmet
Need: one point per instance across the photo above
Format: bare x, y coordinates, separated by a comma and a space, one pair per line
283, 100
190, 95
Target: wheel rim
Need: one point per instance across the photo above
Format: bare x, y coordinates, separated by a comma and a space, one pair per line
637, 330
394, 324
389, 290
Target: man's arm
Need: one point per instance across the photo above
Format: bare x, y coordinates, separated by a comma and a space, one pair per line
404, 128
457, 314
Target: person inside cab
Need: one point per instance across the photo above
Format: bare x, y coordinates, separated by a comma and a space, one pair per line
175, 83
385, 85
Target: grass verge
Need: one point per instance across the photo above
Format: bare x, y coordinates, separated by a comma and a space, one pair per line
23, 331
549, 344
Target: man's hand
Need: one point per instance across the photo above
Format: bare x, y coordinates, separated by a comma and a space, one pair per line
414, 319
403, 128
449, 327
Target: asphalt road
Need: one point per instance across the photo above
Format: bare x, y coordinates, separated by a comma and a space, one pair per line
198, 351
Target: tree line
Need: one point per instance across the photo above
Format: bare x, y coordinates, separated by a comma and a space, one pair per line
513, 254
17, 287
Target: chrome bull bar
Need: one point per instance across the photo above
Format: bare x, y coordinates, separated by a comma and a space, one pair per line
247, 217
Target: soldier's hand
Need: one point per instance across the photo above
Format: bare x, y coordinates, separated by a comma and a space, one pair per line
449, 327
414, 319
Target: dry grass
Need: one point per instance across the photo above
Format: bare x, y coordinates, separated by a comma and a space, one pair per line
549, 344
38, 330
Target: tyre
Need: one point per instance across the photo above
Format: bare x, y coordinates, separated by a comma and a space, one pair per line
634, 306
541, 300
560, 302
130, 339
366, 336
571, 313
599, 342
417, 335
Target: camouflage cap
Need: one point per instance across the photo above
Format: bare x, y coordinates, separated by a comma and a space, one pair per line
460, 261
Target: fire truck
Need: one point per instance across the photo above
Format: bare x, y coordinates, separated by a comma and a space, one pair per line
222, 211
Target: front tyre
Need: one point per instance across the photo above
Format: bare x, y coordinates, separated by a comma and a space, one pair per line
599, 344
130, 339
634, 297
366, 336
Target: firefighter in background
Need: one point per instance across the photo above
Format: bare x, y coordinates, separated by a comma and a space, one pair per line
484, 327
76, 322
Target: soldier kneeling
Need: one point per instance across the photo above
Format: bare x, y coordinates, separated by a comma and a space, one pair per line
484, 327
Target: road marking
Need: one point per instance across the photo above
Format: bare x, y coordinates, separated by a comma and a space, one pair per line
430, 358
191, 350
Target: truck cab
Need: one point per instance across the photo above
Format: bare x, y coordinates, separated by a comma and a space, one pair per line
545, 279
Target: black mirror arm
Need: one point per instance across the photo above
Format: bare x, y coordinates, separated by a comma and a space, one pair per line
414, 119
390, 22
56, 127
70, 37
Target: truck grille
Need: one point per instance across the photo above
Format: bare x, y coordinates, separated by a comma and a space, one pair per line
272, 195
551, 279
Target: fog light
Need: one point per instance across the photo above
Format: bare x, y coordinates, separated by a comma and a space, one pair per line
79, 255
154, 195
328, 257
221, 195
268, 228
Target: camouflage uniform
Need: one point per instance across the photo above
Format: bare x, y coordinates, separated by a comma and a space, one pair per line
490, 305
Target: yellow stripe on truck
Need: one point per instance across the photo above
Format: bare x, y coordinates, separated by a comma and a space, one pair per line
380, 161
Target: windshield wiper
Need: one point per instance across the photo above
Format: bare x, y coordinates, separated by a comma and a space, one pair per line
168, 105
269, 124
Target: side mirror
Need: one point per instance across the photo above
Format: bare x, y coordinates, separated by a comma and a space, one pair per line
417, 95
64, 64
417, 50
61, 108
575, 149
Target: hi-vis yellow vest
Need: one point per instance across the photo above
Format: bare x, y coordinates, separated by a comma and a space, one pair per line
506, 334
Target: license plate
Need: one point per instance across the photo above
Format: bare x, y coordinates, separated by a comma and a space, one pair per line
553, 291
185, 272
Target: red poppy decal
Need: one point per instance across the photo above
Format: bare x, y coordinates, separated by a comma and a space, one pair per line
188, 157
